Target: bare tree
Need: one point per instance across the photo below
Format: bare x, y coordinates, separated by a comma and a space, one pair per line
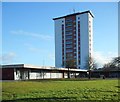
69, 63
115, 63
90, 65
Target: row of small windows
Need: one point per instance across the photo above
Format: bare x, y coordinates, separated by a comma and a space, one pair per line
69, 42
72, 55
69, 50
70, 19
69, 46
69, 55
73, 27
69, 24
68, 33
68, 37
63, 38
69, 29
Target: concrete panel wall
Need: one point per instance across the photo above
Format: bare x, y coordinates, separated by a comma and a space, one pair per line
58, 42
8, 74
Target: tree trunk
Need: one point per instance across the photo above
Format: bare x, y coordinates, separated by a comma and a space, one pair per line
89, 76
68, 73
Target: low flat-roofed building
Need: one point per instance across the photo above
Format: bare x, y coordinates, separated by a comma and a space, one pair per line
26, 72
106, 72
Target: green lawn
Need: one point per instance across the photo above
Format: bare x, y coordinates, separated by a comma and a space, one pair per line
52, 90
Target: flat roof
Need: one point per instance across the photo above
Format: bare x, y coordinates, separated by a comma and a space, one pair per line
40, 67
75, 14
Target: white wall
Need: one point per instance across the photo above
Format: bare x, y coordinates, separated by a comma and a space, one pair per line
35, 75
86, 43
58, 42
91, 35
16, 74
84, 40
19, 75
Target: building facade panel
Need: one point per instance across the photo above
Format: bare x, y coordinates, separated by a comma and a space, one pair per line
58, 42
84, 42
91, 35
8, 74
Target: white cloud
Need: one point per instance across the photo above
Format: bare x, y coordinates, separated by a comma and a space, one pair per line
102, 58
7, 57
36, 35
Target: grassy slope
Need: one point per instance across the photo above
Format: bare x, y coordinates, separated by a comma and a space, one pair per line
78, 90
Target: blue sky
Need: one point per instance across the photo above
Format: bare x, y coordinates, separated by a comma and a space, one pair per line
28, 30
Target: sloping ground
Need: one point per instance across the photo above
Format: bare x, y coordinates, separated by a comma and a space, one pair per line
60, 90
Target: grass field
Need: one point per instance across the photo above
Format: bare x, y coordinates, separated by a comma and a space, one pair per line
60, 90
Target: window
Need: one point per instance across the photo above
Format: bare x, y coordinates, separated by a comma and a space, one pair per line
74, 47
68, 33
68, 24
69, 50
68, 46
75, 43
69, 37
74, 38
62, 29
74, 21
89, 30
68, 42
74, 26
74, 56
69, 29
69, 55
68, 20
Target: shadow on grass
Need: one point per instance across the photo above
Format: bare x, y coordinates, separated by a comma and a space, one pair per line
53, 99
56, 100
117, 86
71, 79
